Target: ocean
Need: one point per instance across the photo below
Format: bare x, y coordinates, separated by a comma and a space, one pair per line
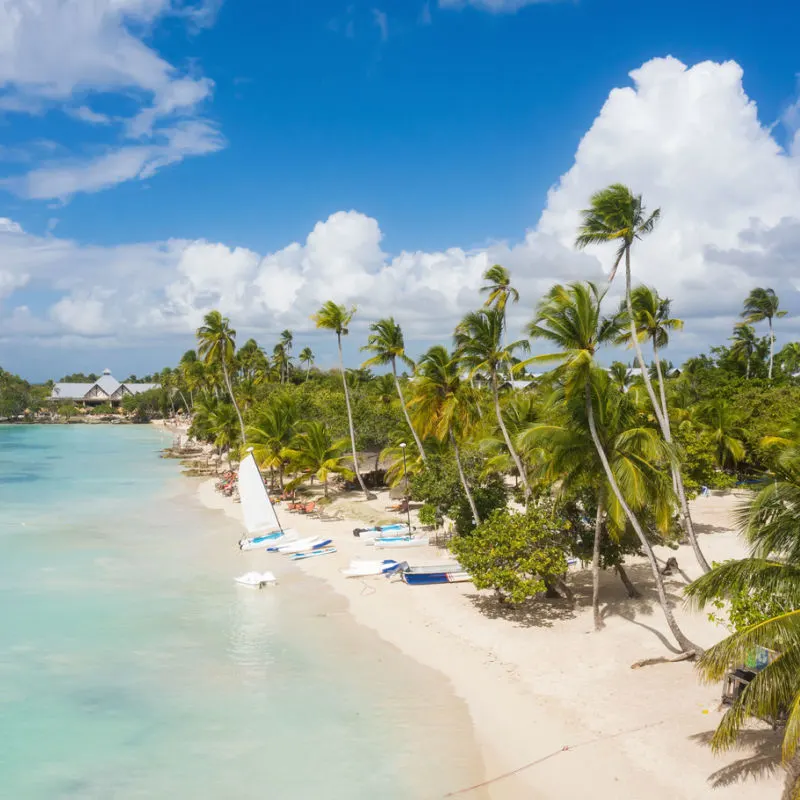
132, 666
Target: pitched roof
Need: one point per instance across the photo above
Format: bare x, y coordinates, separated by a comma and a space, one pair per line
107, 384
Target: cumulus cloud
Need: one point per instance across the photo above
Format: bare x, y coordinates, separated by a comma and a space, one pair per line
53, 52
688, 139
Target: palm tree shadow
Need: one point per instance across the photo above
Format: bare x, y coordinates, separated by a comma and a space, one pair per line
539, 612
763, 759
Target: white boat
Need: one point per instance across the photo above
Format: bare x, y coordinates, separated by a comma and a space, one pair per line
447, 572
260, 518
310, 543
398, 529
256, 580
360, 569
401, 541
322, 551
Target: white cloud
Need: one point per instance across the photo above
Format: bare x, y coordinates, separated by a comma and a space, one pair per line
381, 19
493, 6
688, 139
54, 52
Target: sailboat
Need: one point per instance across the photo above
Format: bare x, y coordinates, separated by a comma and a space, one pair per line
260, 518
382, 530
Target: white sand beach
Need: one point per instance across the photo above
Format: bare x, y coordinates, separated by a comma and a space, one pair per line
556, 708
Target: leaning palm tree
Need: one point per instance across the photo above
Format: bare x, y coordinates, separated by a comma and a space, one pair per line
616, 215
744, 345
445, 407
478, 341
769, 522
570, 318
336, 318
314, 453
499, 288
217, 345
306, 357
763, 304
387, 345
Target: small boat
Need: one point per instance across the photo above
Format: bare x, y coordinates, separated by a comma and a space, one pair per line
401, 541
360, 569
315, 543
324, 551
256, 580
433, 573
268, 540
260, 519
397, 529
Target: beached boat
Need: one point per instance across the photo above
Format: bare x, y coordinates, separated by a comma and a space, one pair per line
360, 569
323, 551
451, 572
400, 541
302, 545
260, 518
256, 580
398, 529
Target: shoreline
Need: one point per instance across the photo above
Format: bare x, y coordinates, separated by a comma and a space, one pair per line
556, 709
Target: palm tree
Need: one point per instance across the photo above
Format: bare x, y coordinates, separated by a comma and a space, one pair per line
769, 521
271, 435
620, 375
216, 345
478, 341
306, 357
763, 304
789, 358
336, 318
387, 344
744, 344
718, 418
445, 407
615, 214
499, 288
313, 452
222, 421
280, 360
570, 317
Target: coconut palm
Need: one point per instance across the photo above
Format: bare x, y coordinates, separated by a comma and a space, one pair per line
306, 357
763, 304
387, 345
616, 215
313, 452
499, 288
222, 421
570, 318
445, 407
718, 418
337, 318
769, 521
271, 434
217, 345
280, 361
620, 375
478, 341
745, 344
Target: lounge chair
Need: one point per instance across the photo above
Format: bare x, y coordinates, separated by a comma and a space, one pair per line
400, 508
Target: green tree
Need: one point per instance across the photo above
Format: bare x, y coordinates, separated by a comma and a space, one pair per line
306, 357
763, 304
570, 318
217, 345
271, 435
336, 318
478, 340
499, 288
314, 453
744, 344
517, 555
719, 419
386, 343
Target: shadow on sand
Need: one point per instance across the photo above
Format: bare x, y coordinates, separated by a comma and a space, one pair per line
763, 759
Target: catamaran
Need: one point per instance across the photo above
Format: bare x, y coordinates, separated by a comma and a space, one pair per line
260, 518
396, 529
320, 551
400, 541
450, 572
360, 569
256, 580
303, 545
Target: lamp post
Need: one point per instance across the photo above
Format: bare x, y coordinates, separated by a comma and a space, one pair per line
405, 476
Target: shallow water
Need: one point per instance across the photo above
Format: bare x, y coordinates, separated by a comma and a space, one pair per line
131, 665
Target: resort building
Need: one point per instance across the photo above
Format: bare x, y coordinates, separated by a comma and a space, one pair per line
106, 389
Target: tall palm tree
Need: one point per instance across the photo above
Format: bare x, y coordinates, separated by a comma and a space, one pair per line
306, 357
313, 452
217, 345
445, 407
280, 360
337, 318
271, 435
745, 344
222, 420
570, 318
769, 522
763, 304
478, 341
616, 215
718, 418
387, 344
788, 358
498, 288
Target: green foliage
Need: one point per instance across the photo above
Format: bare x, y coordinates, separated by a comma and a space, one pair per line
17, 395
430, 516
66, 410
79, 377
145, 405
515, 554
748, 606
102, 409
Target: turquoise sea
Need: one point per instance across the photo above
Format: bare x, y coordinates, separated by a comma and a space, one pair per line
131, 665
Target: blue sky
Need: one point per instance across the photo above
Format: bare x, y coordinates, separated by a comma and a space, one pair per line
174, 133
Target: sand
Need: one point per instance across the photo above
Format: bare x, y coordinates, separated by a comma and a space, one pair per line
556, 708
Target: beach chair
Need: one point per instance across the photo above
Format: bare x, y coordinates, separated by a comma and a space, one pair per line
308, 508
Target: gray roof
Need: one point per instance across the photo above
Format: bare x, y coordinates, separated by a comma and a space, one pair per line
107, 385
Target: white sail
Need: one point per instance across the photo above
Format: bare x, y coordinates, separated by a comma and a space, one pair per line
259, 515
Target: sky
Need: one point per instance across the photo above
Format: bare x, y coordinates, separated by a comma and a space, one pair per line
162, 158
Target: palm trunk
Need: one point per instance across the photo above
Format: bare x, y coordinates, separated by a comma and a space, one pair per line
350, 420
233, 400
183, 397
661, 389
747, 368
680, 637
626, 582
406, 414
308, 371
507, 438
663, 421
771, 346
470, 498
598, 532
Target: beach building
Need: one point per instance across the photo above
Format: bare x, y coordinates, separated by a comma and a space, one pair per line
106, 389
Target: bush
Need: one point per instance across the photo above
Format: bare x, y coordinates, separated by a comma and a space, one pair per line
429, 516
